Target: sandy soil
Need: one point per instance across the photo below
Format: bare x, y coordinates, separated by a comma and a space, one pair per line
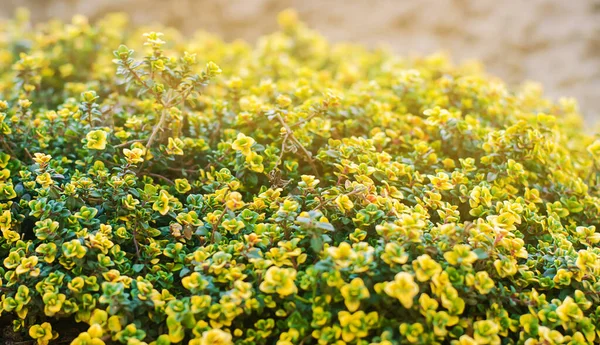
555, 42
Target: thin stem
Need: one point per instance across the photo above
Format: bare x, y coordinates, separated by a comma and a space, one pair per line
135, 243
157, 127
306, 119
290, 135
183, 169
28, 154
215, 226
160, 177
285, 138
308, 155
144, 84
89, 114
302, 299
8, 148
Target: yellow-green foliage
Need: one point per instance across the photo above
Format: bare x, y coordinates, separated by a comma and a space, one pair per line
301, 193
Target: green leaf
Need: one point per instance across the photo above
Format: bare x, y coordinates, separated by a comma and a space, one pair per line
325, 226
316, 244
481, 253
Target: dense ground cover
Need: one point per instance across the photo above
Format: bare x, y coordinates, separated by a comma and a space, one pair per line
301, 193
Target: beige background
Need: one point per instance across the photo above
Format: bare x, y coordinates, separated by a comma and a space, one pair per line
555, 42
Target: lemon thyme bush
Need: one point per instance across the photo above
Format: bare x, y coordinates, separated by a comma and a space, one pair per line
301, 193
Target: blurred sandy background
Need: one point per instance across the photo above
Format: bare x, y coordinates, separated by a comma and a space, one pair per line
555, 42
